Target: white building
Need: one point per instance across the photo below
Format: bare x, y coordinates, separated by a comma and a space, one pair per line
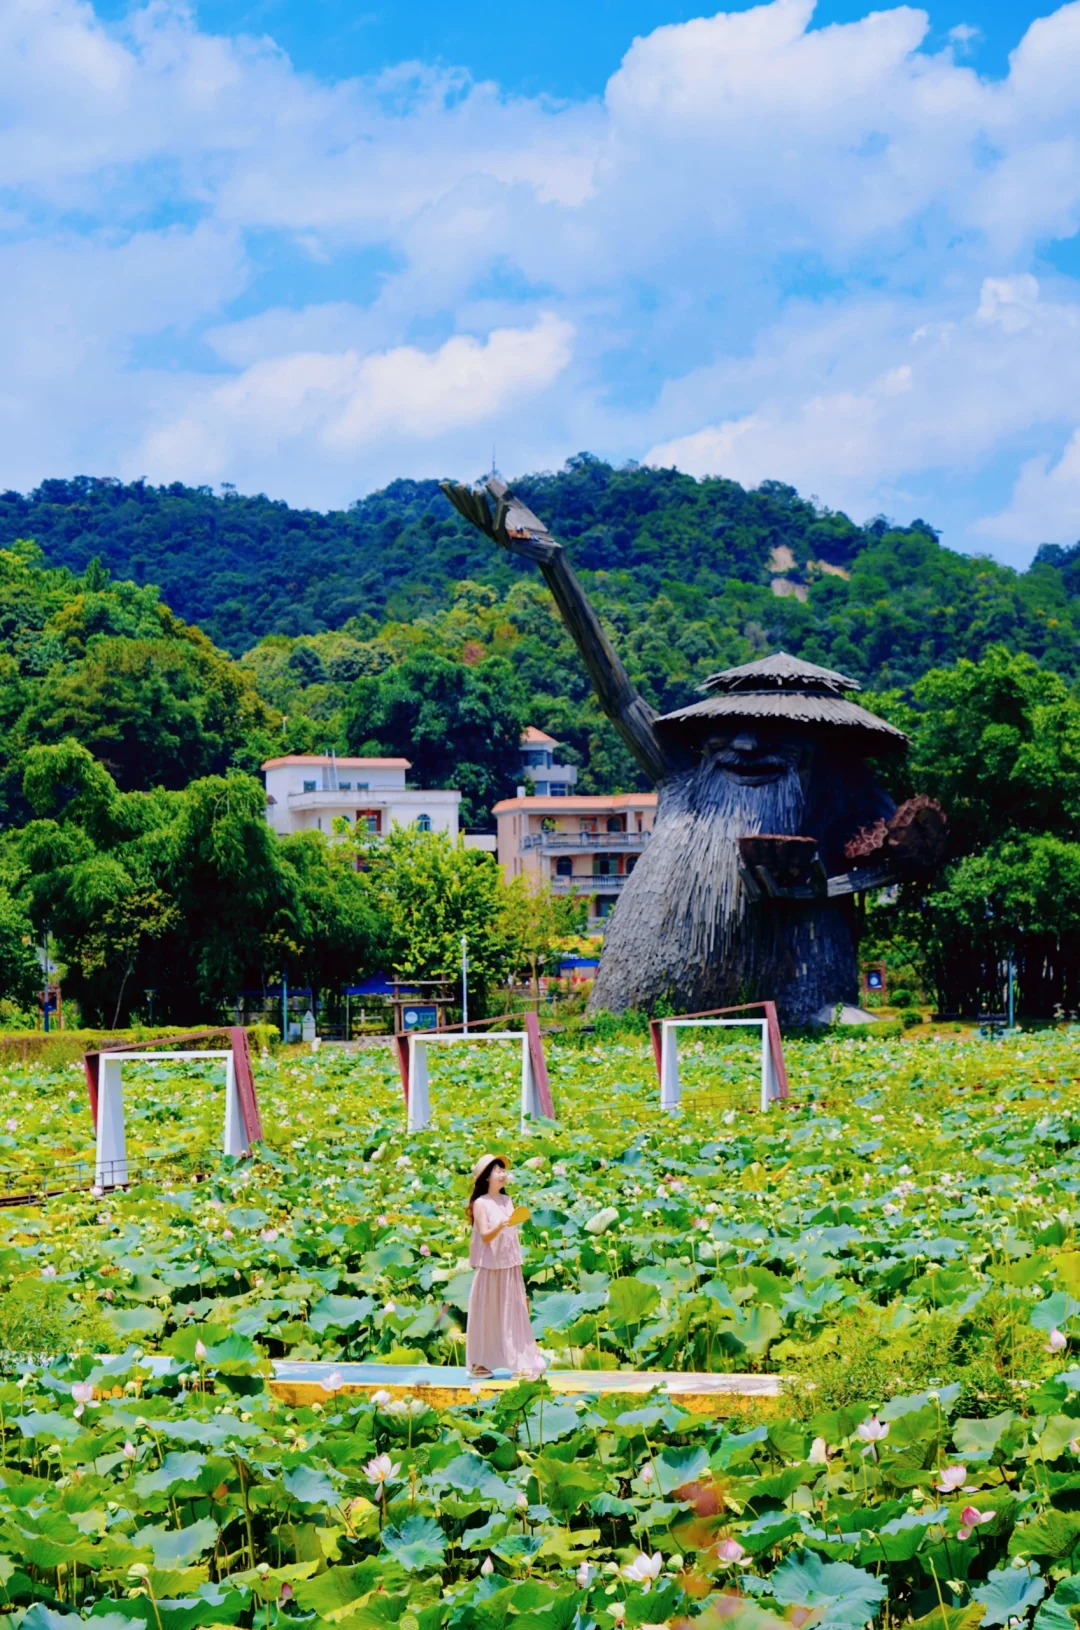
549, 779
308, 790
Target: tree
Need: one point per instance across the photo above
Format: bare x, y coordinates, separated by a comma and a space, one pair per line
533, 920
998, 742
334, 930
20, 971
431, 892
460, 726
229, 877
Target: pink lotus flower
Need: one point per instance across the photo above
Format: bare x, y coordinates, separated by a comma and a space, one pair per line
1056, 1343
129, 1450
951, 1479
286, 1592
487, 1567
872, 1432
381, 1221
819, 1453
380, 1398
646, 1473
200, 1352
971, 1518
381, 1470
425, 1250
332, 1382
729, 1550
82, 1392
585, 1575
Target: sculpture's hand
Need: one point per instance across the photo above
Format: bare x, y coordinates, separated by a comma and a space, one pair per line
512, 525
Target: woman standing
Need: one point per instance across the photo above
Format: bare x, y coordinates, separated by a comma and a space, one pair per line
498, 1335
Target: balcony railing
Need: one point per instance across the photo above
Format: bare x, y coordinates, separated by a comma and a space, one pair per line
545, 841
588, 883
321, 796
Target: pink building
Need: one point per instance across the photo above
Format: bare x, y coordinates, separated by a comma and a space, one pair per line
579, 843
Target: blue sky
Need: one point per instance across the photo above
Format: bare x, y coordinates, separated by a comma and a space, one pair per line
564, 48
306, 248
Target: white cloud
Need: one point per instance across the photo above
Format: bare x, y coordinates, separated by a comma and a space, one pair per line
770, 249
910, 399
344, 403
1045, 503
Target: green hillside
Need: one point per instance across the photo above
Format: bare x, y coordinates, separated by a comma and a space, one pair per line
245, 567
391, 627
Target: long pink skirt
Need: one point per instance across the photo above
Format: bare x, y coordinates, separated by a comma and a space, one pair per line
498, 1335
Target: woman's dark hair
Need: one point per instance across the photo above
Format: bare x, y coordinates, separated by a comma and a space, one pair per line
480, 1187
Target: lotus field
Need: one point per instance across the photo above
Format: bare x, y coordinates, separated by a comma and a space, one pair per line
899, 1242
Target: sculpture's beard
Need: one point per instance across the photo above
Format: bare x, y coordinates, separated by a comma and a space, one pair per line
685, 904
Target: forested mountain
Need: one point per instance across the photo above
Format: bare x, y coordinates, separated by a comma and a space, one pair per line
170, 638
733, 566
391, 627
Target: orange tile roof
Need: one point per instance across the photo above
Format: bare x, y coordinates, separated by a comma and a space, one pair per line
342, 763
576, 802
531, 737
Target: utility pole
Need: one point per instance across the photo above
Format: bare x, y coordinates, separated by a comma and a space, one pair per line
284, 1005
464, 983
1011, 993
45, 990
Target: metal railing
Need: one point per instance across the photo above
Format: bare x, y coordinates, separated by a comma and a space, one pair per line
588, 883
585, 840
29, 1184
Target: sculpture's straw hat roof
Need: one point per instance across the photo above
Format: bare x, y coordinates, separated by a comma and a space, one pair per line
781, 690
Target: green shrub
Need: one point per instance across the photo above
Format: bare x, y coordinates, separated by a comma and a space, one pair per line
910, 1016
902, 997
263, 1038
39, 1320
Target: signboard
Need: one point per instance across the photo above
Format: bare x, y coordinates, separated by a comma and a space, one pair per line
419, 1016
873, 978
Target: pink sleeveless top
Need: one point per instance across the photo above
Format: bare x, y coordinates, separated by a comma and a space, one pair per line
505, 1249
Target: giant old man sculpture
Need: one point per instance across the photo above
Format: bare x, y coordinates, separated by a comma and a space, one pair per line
747, 888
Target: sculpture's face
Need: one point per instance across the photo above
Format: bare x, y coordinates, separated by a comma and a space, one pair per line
752, 757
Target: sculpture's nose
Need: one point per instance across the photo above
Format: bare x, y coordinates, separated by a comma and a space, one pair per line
746, 743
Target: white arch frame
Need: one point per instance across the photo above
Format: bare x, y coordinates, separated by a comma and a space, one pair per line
110, 1158
670, 1086
418, 1113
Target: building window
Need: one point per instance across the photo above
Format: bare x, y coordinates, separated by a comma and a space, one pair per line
309, 786
344, 786
362, 786
631, 862
367, 820
605, 905
423, 823
540, 788
589, 823
605, 865
557, 789
615, 823
564, 866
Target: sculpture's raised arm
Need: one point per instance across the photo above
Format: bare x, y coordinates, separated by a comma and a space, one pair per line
514, 527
